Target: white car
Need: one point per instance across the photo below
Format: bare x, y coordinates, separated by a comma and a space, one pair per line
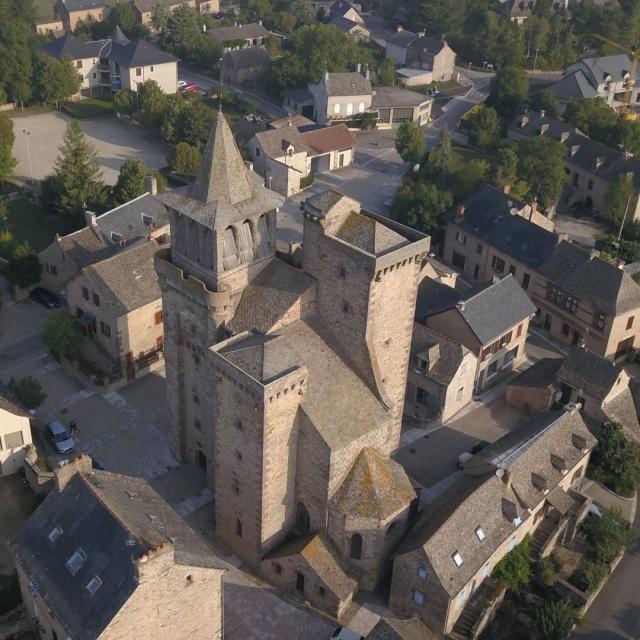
182, 84
341, 633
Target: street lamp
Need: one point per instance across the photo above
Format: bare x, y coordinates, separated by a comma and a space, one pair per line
27, 135
535, 60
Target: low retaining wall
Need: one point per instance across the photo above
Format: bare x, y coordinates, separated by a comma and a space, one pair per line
40, 481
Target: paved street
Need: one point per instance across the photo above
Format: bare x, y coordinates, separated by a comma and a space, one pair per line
114, 141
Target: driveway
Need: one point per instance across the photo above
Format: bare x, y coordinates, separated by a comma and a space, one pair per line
114, 141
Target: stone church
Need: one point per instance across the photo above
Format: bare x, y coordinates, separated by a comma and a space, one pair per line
285, 383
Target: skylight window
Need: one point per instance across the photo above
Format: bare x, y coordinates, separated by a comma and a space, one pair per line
481, 534
153, 518
457, 558
55, 533
76, 561
93, 585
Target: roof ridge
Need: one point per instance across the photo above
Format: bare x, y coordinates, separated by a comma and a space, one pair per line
124, 204
489, 286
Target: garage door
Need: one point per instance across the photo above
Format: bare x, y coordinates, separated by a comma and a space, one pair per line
320, 163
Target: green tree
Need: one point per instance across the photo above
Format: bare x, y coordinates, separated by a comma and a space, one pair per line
124, 101
28, 391
541, 165
545, 100
193, 124
7, 138
483, 126
608, 536
387, 73
56, 80
410, 142
514, 571
555, 619
547, 570
62, 335
504, 167
130, 182
16, 70
438, 16
419, 204
23, 268
621, 197
79, 179
467, 179
160, 17
616, 460
152, 104
594, 117
440, 158
124, 16
590, 576
184, 159
302, 11
509, 88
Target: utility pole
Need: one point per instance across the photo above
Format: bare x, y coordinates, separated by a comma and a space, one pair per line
27, 135
624, 218
535, 60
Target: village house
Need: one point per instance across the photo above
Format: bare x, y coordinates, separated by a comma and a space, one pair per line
287, 159
441, 378
606, 77
527, 482
491, 320
599, 388
50, 27
243, 67
116, 63
591, 167
104, 557
240, 36
117, 302
70, 12
254, 349
144, 8
393, 629
15, 436
343, 15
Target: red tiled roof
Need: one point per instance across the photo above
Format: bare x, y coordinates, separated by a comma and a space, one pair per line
329, 139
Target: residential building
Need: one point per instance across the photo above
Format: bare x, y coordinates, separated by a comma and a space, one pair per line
591, 167
526, 482
341, 96
491, 320
105, 557
144, 8
392, 629
118, 303
395, 105
116, 63
489, 234
208, 6
346, 17
15, 436
103, 236
441, 378
292, 120
73, 11
606, 77
278, 385
50, 27
416, 51
599, 388
240, 36
243, 67
287, 158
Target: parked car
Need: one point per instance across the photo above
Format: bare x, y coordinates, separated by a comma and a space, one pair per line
341, 633
45, 298
189, 86
60, 437
182, 84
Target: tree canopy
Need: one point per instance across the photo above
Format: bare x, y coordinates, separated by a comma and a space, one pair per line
7, 138
130, 182
410, 142
541, 165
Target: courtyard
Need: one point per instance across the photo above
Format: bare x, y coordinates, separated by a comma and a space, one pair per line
114, 141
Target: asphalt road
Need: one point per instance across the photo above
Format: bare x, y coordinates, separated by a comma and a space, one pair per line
19, 352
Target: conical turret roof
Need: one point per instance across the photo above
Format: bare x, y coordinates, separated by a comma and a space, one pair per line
119, 37
225, 191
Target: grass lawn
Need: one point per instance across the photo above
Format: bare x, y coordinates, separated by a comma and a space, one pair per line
31, 223
89, 108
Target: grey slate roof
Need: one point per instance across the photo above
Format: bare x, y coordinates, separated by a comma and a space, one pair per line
622, 409
574, 85
384, 97
243, 31
392, 629
138, 54
605, 286
488, 217
402, 38
82, 5
97, 514
274, 142
224, 190
598, 69
247, 58
350, 83
369, 235
148, 5
69, 45
540, 375
490, 310
424, 44
585, 370
8, 405
344, 24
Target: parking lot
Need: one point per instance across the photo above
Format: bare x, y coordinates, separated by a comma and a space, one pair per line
114, 141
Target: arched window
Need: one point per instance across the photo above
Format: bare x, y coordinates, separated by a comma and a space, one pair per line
245, 243
201, 460
355, 550
303, 521
230, 250
262, 239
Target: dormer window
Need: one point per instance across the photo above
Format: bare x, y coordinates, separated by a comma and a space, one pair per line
147, 220
579, 442
55, 533
76, 561
558, 463
457, 558
93, 585
539, 482
480, 534
116, 237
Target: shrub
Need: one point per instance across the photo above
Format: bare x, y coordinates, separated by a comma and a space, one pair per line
24, 268
554, 620
28, 391
607, 536
307, 181
547, 570
62, 335
514, 571
590, 576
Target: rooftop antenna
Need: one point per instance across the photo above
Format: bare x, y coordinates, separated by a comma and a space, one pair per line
221, 87
130, 542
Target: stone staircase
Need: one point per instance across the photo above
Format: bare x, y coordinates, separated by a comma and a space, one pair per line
541, 535
463, 628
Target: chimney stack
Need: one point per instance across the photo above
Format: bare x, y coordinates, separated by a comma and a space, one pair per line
460, 212
68, 469
151, 185
90, 219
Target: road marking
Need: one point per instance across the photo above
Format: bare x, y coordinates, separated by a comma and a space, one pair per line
40, 356
22, 339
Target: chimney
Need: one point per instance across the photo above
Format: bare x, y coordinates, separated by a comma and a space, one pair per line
594, 253
460, 305
260, 22
543, 113
366, 73
151, 185
564, 136
620, 263
69, 468
326, 77
574, 149
506, 189
359, 68
524, 121
599, 162
460, 213
90, 219
544, 127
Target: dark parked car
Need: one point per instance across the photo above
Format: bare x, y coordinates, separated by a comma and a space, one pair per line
45, 298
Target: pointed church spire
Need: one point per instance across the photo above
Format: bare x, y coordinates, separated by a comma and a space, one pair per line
223, 176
